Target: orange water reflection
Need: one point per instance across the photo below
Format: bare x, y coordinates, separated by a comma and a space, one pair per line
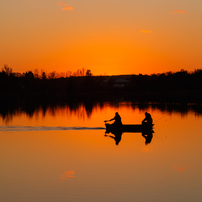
67, 175
92, 167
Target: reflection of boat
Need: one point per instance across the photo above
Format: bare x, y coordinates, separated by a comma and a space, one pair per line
143, 128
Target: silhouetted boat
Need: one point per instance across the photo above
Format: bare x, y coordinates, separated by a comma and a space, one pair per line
129, 128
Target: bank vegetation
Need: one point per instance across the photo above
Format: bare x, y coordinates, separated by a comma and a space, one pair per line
181, 86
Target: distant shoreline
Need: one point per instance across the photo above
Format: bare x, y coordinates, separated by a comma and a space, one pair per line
181, 87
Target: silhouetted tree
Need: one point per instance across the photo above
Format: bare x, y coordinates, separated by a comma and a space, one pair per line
29, 75
7, 70
36, 73
43, 74
88, 72
52, 75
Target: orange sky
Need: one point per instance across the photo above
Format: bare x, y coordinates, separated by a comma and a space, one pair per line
124, 37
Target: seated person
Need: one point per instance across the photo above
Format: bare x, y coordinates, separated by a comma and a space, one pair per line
117, 119
148, 119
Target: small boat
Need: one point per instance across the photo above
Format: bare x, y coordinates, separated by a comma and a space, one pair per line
129, 128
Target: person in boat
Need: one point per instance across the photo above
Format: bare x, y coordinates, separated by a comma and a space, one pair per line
147, 120
117, 120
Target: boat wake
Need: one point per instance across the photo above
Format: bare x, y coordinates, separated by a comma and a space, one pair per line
44, 128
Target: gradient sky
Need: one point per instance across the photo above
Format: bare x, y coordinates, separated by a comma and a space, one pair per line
107, 37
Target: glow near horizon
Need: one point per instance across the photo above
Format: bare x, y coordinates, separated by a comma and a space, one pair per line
116, 37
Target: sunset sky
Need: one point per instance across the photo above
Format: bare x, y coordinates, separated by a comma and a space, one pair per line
107, 37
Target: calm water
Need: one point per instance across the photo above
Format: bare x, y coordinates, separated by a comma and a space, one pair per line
62, 155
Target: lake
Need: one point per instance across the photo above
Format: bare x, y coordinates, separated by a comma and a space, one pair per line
61, 153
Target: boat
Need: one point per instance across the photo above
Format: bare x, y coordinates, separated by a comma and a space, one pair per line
136, 128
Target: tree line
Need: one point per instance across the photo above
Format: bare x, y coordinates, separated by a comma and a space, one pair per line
37, 81
163, 85
43, 74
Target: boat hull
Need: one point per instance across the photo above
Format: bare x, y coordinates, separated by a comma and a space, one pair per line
128, 128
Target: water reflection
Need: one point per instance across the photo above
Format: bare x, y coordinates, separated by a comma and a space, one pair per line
80, 164
148, 136
84, 107
117, 135
67, 175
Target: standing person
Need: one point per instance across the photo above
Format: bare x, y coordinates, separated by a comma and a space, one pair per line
148, 119
117, 119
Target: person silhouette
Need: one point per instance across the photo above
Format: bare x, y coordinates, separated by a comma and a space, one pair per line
117, 120
147, 120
